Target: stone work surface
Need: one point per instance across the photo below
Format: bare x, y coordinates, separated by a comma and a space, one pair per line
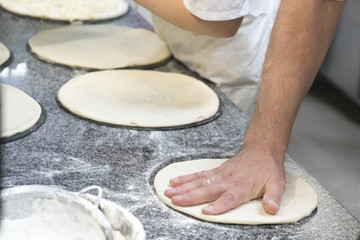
72, 153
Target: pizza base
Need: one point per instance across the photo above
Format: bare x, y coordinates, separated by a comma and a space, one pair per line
139, 98
298, 201
67, 10
4, 54
19, 111
102, 46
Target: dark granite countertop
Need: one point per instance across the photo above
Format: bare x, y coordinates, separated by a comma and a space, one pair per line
72, 153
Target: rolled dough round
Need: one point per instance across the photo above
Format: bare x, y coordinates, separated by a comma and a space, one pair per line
4, 54
19, 111
102, 46
67, 10
139, 98
298, 201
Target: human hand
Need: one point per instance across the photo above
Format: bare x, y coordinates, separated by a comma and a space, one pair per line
248, 175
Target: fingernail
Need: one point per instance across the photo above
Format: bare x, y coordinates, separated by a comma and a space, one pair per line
272, 207
177, 200
175, 180
273, 203
170, 192
208, 209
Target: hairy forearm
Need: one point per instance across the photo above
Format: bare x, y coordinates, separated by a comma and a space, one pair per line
299, 41
174, 12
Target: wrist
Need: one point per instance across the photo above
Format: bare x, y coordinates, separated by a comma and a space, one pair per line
272, 146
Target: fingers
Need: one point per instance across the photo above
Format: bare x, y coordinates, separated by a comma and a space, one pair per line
189, 186
234, 197
229, 200
174, 182
197, 196
195, 192
224, 197
230, 185
272, 196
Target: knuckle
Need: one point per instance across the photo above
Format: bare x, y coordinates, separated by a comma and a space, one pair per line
229, 197
200, 174
281, 185
202, 182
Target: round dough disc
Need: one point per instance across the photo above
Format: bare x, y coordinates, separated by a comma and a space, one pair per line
4, 54
298, 201
139, 98
19, 111
103, 46
67, 10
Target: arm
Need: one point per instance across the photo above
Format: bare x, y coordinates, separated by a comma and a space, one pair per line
300, 38
176, 13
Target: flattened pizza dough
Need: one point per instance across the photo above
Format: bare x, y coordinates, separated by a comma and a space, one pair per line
19, 111
139, 98
103, 46
67, 10
4, 54
298, 201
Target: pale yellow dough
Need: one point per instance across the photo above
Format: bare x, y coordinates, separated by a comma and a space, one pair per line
67, 10
103, 46
298, 201
19, 111
4, 54
139, 98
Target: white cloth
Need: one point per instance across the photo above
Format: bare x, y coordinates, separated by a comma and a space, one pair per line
235, 63
214, 11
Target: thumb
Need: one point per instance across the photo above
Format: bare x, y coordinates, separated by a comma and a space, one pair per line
272, 197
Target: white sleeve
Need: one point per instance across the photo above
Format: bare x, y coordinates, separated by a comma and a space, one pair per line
217, 10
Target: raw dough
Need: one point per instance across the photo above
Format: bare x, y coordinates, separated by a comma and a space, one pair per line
4, 54
19, 111
139, 98
67, 10
298, 201
103, 46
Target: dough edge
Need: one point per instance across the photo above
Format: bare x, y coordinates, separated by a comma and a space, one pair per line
14, 8
66, 102
161, 183
36, 112
4, 54
116, 63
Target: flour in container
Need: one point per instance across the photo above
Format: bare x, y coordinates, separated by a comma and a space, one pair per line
50, 219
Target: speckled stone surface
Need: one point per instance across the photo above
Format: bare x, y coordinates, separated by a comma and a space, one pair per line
72, 153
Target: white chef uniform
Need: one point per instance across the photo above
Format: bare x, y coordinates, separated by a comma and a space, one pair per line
235, 63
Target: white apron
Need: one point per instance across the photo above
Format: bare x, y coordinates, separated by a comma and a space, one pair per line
235, 63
